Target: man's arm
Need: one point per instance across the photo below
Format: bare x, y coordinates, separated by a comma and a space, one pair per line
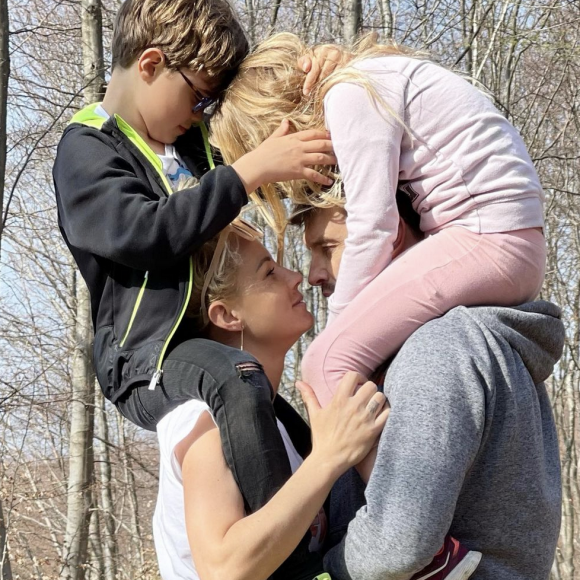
434, 431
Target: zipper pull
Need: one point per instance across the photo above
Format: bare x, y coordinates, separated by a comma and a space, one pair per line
155, 379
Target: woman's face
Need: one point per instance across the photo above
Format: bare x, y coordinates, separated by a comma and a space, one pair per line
268, 301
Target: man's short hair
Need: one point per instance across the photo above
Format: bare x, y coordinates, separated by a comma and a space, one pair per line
302, 214
203, 35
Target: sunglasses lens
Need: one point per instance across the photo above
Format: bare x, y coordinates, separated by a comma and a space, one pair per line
203, 104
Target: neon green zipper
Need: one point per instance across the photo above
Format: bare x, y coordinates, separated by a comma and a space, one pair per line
159, 371
135, 308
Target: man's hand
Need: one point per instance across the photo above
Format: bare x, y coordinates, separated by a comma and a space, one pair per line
320, 62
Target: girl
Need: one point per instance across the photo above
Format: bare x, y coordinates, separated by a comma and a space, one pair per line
398, 120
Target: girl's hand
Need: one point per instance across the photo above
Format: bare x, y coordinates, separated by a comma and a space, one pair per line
344, 432
285, 156
320, 63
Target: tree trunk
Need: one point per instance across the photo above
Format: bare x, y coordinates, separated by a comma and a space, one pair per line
4, 76
80, 478
96, 564
103, 459
81, 468
387, 18
250, 8
137, 559
352, 19
274, 16
5, 570
4, 559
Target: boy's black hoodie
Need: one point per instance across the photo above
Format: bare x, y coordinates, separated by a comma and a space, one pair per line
132, 239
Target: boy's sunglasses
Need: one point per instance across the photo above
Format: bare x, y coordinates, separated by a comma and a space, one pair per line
202, 102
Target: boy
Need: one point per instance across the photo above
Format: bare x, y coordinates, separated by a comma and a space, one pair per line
115, 170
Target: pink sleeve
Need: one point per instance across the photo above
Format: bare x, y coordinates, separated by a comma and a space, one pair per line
367, 144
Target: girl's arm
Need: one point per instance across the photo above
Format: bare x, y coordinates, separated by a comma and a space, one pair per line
224, 543
367, 143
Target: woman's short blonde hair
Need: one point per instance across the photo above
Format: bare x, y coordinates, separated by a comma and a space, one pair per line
268, 89
223, 283
196, 34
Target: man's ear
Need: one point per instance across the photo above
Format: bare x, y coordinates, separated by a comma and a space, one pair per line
151, 63
222, 316
399, 244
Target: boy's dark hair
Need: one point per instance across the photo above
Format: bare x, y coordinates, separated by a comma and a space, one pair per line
203, 35
301, 214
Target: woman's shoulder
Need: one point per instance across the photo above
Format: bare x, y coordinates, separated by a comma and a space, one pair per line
177, 424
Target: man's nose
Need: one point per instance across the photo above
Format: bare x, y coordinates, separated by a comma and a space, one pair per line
317, 275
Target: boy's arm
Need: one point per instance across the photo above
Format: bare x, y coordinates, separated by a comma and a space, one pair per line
428, 445
105, 209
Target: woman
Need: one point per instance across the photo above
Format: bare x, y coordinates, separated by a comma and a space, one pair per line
244, 298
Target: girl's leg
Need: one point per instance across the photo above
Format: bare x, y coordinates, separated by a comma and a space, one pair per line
451, 268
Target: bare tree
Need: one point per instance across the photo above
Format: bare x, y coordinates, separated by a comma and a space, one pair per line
352, 19
387, 18
4, 77
103, 459
81, 467
5, 569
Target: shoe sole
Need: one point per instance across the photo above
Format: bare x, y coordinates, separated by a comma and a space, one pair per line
466, 567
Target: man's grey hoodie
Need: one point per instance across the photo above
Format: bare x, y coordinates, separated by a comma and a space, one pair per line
470, 449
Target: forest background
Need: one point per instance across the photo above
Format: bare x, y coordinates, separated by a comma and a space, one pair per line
78, 484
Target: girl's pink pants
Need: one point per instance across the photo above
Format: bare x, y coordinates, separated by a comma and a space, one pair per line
450, 268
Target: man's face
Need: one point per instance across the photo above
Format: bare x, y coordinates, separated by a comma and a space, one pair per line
324, 235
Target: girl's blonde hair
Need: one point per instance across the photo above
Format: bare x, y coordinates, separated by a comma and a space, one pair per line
267, 90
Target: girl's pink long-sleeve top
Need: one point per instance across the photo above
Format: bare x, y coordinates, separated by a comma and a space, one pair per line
441, 141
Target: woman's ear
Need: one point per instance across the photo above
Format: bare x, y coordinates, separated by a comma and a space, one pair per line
150, 61
223, 316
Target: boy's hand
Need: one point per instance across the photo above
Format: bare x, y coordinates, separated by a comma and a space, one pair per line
285, 156
321, 62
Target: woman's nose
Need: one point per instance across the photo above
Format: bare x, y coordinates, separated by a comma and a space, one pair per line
295, 278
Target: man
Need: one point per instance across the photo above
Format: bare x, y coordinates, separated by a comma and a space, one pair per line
470, 448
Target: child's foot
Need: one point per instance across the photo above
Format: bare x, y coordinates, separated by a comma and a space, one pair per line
452, 562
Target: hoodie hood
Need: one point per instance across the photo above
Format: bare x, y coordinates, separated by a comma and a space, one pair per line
534, 330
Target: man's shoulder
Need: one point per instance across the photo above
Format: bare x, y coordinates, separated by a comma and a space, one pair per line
457, 330
478, 337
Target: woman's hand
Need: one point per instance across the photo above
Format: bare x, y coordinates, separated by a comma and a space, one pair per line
345, 431
285, 156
